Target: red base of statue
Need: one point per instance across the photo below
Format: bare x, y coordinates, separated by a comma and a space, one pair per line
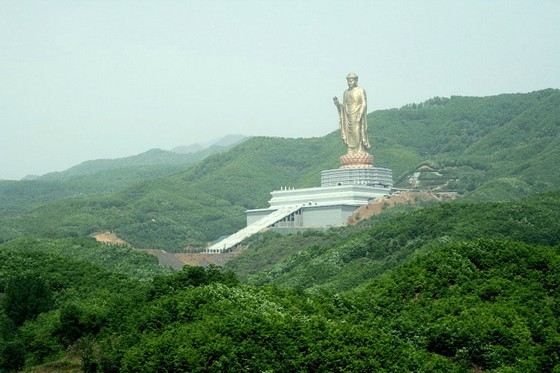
360, 160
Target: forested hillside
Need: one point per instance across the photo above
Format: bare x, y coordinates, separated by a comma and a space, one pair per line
17, 197
486, 148
343, 258
98, 177
456, 287
119, 260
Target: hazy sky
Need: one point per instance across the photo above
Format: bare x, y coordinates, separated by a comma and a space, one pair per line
82, 80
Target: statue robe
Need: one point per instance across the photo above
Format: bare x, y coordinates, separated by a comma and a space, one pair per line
353, 120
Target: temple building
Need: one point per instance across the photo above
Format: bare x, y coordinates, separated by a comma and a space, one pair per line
342, 191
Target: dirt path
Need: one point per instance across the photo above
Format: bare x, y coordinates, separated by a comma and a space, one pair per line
165, 258
109, 238
200, 259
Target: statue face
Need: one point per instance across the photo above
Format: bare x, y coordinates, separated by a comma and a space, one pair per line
352, 82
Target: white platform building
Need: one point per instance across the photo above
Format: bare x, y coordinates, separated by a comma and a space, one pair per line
342, 191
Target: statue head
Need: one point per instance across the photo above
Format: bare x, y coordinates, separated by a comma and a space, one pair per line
352, 80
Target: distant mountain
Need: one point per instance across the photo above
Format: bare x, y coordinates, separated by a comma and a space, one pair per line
96, 177
226, 142
30, 177
153, 157
487, 148
186, 149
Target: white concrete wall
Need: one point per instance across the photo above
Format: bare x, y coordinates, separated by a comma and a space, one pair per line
326, 216
357, 176
311, 216
329, 196
254, 215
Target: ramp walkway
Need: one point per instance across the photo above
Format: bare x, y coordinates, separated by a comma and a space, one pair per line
230, 241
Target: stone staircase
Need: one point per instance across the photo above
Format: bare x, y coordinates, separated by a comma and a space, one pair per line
230, 241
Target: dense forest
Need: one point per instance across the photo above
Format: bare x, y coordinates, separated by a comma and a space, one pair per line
459, 292
469, 285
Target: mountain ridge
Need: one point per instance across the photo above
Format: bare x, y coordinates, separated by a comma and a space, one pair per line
470, 138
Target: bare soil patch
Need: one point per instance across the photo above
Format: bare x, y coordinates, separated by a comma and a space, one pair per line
376, 206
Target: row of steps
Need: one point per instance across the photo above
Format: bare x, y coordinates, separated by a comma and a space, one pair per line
236, 238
